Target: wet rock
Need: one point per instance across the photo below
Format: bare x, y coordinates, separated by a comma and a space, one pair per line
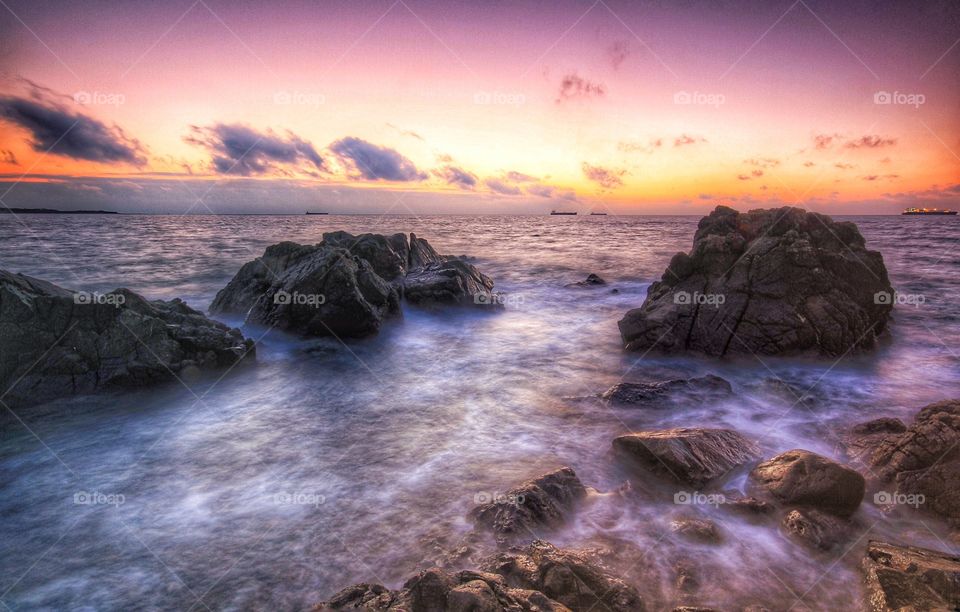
575, 578
766, 282
934, 432
422, 254
449, 282
592, 280
816, 529
802, 478
542, 503
389, 256
58, 342
750, 506
908, 578
693, 456
697, 530
684, 390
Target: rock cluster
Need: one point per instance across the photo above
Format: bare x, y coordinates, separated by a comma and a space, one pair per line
58, 342
346, 286
908, 578
766, 282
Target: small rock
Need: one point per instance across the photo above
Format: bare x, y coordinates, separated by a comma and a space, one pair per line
592, 280
816, 529
806, 479
684, 390
698, 530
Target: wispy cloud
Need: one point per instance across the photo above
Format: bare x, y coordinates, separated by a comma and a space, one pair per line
372, 162
241, 150
608, 178
573, 86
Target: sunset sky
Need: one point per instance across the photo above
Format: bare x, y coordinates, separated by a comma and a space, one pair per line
504, 107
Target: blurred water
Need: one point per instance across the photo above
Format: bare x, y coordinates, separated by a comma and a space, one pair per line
325, 465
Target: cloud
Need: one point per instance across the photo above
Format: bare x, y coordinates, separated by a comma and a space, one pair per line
626, 146
870, 142
241, 150
573, 86
809, 164
520, 177
843, 166
823, 141
7, 157
757, 172
374, 162
762, 162
877, 177
543, 191
617, 52
457, 176
501, 187
404, 132
55, 129
683, 140
608, 178
743, 177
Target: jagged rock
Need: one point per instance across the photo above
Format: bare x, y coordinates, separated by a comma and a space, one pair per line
697, 530
799, 477
682, 391
766, 282
389, 256
575, 578
592, 280
864, 439
816, 529
522, 512
422, 254
58, 342
449, 282
907, 578
692, 456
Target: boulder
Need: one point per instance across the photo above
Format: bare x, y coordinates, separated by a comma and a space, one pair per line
575, 578
453, 281
58, 342
766, 282
908, 578
816, 529
389, 256
680, 391
692, 456
542, 503
799, 477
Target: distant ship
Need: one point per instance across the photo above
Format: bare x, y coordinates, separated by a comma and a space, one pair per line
928, 211
317, 213
598, 214
560, 212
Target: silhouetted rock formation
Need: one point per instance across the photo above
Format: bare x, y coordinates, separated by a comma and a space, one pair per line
58, 342
767, 282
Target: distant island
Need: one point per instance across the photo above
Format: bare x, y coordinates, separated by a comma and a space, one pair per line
53, 211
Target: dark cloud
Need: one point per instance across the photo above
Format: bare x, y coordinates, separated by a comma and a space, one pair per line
617, 52
55, 129
374, 162
457, 176
501, 187
241, 150
573, 86
7, 157
684, 140
608, 178
870, 142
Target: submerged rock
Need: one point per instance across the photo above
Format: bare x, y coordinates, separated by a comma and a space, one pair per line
697, 530
684, 390
799, 477
522, 512
816, 529
766, 282
692, 456
908, 578
58, 342
592, 280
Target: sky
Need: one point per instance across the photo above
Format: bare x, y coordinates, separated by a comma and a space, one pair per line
416, 106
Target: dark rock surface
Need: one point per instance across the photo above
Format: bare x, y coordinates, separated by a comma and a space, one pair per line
347, 286
697, 530
768, 282
816, 529
907, 578
692, 456
58, 342
680, 391
799, 477
524, 511
592, 280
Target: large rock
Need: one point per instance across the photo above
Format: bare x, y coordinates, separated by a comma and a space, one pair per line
692, 456
57, 342
665, 393
524, 511
389, 256
906, 578
766, 282
453, 281
799, 477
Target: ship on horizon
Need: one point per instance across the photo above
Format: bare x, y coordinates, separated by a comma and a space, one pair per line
562, 212
317, 213
928, 211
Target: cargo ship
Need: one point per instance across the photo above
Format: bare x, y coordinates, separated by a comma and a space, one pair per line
560, 212
317, 213
928, 211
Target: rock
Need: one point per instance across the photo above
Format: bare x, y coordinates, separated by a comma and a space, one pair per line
802, 478
422, 254
58, 342
908, 578
693, 456
864, 439
816, 529
934, 432
766, 282
684, 390
935, 489
542, 503
697, 530
575, 578
449, 282
389, 256
592, 280
751, 506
